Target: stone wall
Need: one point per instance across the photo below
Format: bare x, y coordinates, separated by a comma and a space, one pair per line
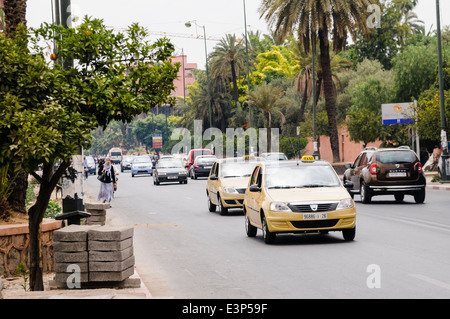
14, 242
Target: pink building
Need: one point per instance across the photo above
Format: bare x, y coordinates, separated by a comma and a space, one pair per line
185, 76
348, 150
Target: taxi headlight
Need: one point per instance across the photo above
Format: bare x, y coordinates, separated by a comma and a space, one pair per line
183, 173
162, 173
345, 204
279, 207
230, 190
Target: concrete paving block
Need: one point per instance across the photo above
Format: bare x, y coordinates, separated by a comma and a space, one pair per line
97, 206
93, 222
114, 245
72, 233
111, 265
61, 277
95, 212
70, 246
110, 255
110, 275
110, 233
71, 257
67, 267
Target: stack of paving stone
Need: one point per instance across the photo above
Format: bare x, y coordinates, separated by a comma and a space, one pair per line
102, 254
71, 250
110, 253
98, 213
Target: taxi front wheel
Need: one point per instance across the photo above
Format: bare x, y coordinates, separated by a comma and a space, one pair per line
211, 206
249, 228
269, 237
349, 234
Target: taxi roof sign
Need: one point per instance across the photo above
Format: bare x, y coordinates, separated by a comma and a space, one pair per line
308, 158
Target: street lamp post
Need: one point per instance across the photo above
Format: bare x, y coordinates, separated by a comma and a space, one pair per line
445, 154
188, 25
248, 70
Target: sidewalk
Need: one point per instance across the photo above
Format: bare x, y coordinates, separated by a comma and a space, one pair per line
436, 185
13, 287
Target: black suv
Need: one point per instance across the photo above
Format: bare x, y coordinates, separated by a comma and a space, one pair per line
383, 171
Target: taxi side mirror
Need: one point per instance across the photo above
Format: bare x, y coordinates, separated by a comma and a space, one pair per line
255, 188
348, 184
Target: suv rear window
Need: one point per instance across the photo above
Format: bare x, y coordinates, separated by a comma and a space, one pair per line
395, 157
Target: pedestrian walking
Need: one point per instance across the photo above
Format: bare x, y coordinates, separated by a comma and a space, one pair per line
107, 179
85, 168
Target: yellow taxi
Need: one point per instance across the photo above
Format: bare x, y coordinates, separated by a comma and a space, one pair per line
297, 196
227, 182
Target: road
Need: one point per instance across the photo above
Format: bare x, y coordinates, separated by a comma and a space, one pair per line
401, 250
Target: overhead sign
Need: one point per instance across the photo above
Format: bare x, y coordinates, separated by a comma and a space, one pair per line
157, 141
397, 113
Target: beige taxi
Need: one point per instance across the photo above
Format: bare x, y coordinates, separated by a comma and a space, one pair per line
227, 182
297, 196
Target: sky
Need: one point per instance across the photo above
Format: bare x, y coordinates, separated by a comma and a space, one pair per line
219, 17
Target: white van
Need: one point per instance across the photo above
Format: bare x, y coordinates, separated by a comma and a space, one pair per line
115, 154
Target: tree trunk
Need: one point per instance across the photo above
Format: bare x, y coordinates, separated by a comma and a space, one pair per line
269, 130
36, 215
15, 13
330, 101
234, 78
303, 105
17, 198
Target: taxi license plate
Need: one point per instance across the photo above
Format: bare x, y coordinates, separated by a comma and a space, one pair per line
207, 166
172, 177
314, 216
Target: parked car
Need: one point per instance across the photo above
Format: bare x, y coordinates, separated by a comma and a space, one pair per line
297, 197
394, 171
202, 166
169, 170
193, 154
141, 165
126, 162
274, 156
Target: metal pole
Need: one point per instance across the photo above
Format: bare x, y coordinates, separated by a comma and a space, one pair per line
207, 78
444, 154
248, 70
316, 152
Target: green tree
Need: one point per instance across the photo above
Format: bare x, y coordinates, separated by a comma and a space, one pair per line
227, 61
47, 113
316, 20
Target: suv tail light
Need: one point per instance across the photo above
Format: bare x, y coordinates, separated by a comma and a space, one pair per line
419, 168
373, 169
196, 165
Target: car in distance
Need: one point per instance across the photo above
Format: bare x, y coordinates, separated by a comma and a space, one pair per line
194, 153
126, 162
141, 165
169, 170
297, 197
91, 164
202, 166
386, 171
227, 183
274, 156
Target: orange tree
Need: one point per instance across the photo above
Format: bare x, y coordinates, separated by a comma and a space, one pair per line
47, 112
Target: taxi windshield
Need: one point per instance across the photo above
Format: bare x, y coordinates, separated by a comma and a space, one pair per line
301, 176
236, 169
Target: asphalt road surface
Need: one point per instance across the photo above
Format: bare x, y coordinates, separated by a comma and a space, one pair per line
401, 250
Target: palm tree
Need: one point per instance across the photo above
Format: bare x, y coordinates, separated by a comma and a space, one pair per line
315, 20
267, 97
228, 59
15, 14
304, 80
